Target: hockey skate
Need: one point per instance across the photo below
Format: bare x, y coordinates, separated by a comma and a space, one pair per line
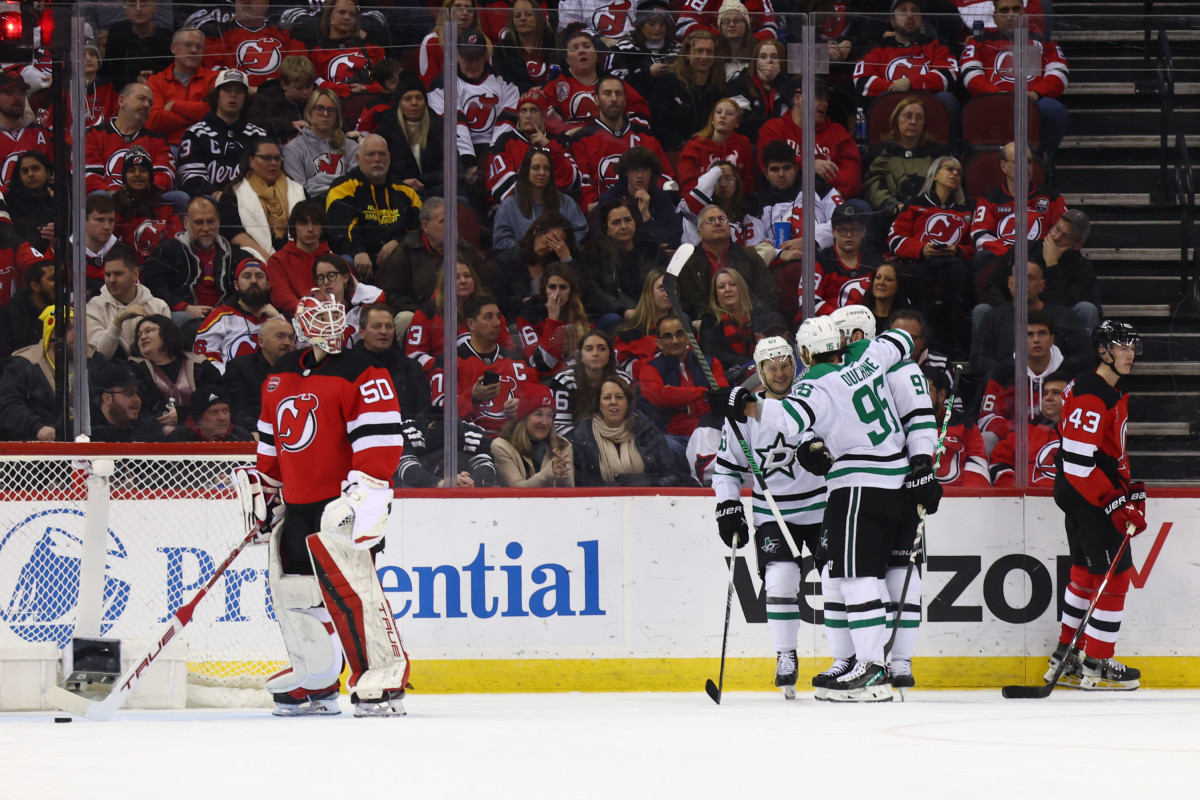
389, 705
902, 677
785, 673
868, 682
302, 703
1108, 675
821, 682
1071, 675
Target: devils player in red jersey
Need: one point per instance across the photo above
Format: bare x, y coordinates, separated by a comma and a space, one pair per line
1102, 505
329, 442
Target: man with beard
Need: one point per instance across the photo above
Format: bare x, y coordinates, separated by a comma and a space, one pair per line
18, 136
231, 329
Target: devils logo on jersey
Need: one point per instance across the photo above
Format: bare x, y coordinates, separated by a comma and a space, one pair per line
346, 68
296, 422
495, 410
1006, 231
608, 171
260, 56
537, 70
853, 290
1043, 462
1002, 67
328, 164
944, 229
911, 66
149, 235
480, 112
613, 18
584, 106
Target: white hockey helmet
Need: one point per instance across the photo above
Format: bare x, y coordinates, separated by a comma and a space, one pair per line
854, 318
772, 347
817, 335
321, 323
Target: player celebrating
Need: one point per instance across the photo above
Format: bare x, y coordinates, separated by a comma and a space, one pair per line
908, 387
801, 499
329, 441
1094, 491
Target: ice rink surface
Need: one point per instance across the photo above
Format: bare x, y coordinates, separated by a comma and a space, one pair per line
944, 744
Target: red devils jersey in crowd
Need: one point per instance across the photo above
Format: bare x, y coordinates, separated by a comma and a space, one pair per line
926, 222
607, 19
319, 421
1092, 459
838, 284
542, 344
480, 103
14, 143
702, 14
987, 66
927, 63
258, 53
423, 340
471, 365
145, 233
699, 154
998, 408
598, 149
994, 225
508, 151
833, 143
106, 148
575, 103
964, 460
338, 67
226, 333
1043, 448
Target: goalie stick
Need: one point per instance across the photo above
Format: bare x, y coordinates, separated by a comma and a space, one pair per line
919, 539
1040, 692
101, 710
675, 266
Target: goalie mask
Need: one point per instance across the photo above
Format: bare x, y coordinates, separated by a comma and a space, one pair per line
321, 323
854, 318
816, 336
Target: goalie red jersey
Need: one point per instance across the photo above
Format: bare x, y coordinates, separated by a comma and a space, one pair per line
1093, 425
319, 421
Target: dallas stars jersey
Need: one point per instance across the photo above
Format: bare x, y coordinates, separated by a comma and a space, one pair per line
852, 408
319, 421
799, 494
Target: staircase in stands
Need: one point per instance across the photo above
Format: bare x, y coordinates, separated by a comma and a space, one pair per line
1109, 167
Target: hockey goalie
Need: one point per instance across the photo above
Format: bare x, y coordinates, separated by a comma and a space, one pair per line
329, 442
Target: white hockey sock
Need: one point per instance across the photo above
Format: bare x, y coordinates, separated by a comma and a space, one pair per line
910, 618
782, 584
837, 629
865, 615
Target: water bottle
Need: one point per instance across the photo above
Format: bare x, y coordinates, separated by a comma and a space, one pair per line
860, 126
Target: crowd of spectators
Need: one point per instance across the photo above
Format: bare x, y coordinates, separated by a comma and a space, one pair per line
245, 154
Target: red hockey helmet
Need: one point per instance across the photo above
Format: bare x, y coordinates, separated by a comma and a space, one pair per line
321, 323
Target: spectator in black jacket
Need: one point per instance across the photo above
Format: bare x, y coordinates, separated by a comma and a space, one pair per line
278, 105
379, 339
20, 320
137, 45
414, 137
27, 408
244, 375
550, 238
30, 199
210, 154
683, 99
638, 171
615, 263
209, 419
120, 412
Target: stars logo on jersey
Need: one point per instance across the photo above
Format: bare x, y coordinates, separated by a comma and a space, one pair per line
296, 422
770, 544
777, 457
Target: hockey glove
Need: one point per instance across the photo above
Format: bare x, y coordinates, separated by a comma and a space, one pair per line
262, 502
729, 404
1137, 496
922, 484
731, 523
1124, 513
814, 456
361, 513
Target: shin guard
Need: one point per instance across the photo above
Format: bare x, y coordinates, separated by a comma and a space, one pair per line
910, 616
782, 585
308, 636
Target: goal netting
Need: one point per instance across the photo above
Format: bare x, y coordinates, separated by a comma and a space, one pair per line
111, 540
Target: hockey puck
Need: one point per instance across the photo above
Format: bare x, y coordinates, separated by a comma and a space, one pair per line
62, 719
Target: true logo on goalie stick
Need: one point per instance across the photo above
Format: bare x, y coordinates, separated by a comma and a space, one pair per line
39, 576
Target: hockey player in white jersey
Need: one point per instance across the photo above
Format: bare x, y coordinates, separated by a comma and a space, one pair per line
799, 494
914, 409
850, 406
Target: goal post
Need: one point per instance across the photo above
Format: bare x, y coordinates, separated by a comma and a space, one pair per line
110, 540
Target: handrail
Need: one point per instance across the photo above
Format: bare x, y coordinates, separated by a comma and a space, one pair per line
1165, 75
1185, 196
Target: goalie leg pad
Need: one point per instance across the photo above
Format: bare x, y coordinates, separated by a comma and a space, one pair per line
361, 614
307, 629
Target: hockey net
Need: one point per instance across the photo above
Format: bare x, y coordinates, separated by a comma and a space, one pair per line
168, 515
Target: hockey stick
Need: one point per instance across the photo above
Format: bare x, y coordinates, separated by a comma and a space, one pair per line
714, 689
101, 710
674, 267
1039, 692
919, 539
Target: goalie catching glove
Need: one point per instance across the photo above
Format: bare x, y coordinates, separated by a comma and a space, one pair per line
361, 513
1121, 508
922, 484
731, 523
262, 502
814, 456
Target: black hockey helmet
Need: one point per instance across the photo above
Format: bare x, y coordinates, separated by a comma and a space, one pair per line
1110, 332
